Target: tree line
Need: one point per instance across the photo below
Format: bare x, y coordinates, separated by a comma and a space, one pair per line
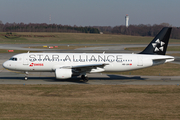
135, 30
43, 27
140, 30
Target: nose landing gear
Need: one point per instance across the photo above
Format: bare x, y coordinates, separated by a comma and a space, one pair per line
26, 76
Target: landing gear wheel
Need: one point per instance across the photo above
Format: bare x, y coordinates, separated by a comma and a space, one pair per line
84, 78
25, 78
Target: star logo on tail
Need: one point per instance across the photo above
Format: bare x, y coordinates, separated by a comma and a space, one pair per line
158, 45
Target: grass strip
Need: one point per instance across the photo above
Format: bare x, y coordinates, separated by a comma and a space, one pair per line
75, 38
100, 102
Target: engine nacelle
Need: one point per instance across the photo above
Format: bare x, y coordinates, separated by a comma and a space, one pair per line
63, 73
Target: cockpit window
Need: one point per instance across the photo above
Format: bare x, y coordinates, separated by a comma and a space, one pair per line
13, 59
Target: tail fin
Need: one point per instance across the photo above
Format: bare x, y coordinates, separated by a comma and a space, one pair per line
159, 44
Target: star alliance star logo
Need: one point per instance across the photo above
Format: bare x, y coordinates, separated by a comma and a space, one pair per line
158, 45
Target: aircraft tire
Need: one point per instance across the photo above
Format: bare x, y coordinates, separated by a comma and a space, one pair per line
84, 78
26, 78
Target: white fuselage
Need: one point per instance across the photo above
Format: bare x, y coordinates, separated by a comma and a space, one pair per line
49, 62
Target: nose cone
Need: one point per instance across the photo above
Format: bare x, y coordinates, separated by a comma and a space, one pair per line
5, 65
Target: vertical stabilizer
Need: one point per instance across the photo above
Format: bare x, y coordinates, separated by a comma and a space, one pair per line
159, 44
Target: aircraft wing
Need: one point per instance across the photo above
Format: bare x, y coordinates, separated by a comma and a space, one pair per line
90, 65
86, 66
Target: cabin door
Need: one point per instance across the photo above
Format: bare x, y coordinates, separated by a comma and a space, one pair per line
25, 60
140, 61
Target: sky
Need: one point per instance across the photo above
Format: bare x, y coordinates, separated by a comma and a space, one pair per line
91, 12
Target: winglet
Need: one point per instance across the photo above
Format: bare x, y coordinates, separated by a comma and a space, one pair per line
159, 44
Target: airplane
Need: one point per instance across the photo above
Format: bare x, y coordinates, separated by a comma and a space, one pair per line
66, 65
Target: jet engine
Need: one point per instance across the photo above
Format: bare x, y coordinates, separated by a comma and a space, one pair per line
63, 73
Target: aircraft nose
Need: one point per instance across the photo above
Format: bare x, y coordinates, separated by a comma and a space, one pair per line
5, 64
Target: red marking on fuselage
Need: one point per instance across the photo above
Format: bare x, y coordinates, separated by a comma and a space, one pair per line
31, 65
36, 64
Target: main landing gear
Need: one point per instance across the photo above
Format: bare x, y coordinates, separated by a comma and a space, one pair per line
26, 76
84, 78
